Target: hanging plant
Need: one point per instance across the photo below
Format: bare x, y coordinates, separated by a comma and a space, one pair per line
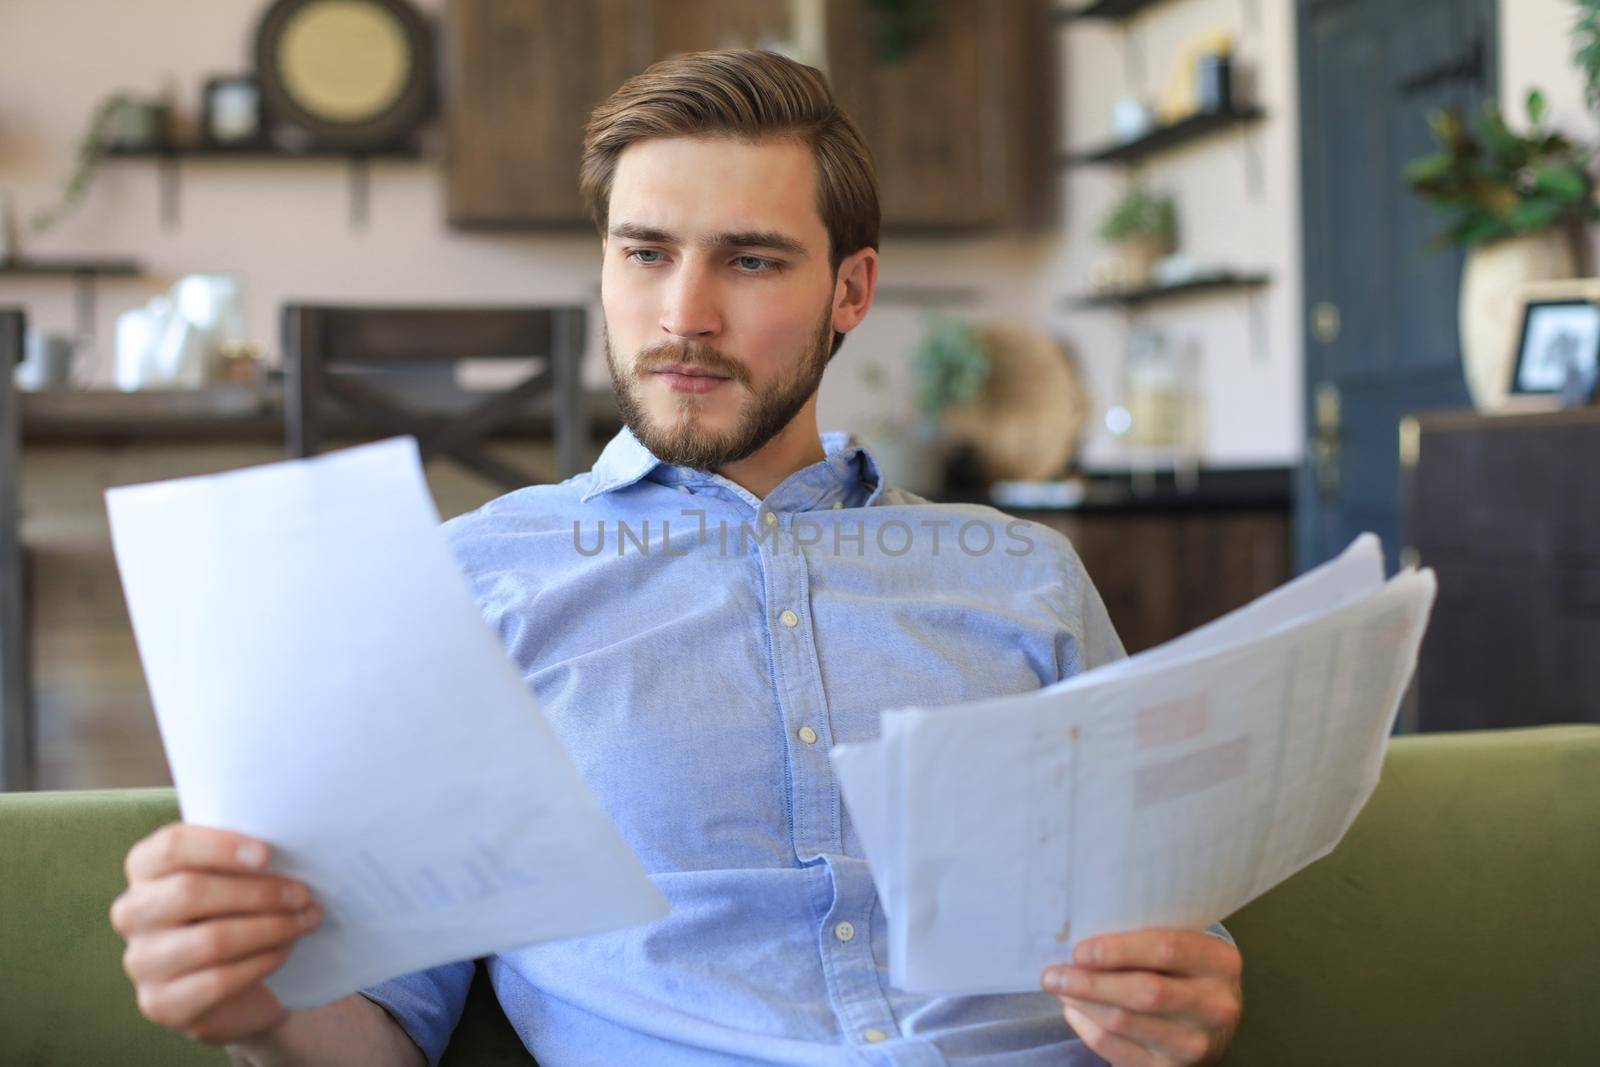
90, 154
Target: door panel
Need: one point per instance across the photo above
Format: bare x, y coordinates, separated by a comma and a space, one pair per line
1370, 72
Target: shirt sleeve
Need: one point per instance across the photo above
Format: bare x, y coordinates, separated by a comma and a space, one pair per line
427, 1004
1088, 638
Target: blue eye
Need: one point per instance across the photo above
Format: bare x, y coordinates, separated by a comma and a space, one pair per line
643, 252
764, 266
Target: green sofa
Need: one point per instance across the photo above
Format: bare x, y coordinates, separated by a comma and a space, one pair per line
1458, 923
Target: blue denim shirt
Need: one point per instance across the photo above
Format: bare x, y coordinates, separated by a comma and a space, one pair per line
698, 649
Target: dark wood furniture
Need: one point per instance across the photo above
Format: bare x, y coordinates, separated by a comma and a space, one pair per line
14, 688
359, 358
962, 129
1169, 560
1506, 510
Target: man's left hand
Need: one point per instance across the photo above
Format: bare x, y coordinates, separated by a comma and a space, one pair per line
1152, 998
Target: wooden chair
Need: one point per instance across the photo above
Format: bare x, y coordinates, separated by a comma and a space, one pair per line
15, 742
337, 356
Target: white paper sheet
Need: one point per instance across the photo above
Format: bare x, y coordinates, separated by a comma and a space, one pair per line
1165, 790
324, 681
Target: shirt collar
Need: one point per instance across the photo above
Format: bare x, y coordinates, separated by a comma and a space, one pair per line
848, 471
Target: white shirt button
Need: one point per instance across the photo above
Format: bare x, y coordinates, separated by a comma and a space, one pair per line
844, 931
875, 1035
683, 489
838, 503
789, 618
808, 735
771, 519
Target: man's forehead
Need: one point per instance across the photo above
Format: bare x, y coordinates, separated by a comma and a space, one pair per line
710, 191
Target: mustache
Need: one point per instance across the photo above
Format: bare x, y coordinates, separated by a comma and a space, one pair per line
700, 357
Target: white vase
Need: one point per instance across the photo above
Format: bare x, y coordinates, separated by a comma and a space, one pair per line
1491, 305
911, 457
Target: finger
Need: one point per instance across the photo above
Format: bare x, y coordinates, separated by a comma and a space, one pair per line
244, 1015
1163, 1038
1149, 992
179, 845
191, 895
165, 954
1109, 1046
178, 1004
1185, 952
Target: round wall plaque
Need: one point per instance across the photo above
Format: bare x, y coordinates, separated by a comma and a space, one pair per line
355, 74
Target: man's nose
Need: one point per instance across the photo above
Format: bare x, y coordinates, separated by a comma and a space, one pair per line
691, 309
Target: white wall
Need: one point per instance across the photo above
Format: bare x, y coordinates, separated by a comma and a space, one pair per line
1252, 389
283, 226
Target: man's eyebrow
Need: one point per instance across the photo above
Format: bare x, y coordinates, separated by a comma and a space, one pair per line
629, 231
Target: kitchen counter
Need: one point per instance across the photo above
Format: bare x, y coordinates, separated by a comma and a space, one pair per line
1216, 489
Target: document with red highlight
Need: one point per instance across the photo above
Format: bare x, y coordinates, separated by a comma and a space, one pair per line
1166, 789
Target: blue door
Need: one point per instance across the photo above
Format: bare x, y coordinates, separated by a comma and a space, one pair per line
1380, 305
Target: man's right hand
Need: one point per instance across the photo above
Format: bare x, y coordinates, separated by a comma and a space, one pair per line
204, 927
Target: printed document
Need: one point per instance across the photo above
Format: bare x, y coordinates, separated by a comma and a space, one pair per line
1166, 789
323, 681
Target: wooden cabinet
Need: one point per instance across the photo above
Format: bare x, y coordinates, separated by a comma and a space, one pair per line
1163, 573
1506, 510
524, 75
961, 129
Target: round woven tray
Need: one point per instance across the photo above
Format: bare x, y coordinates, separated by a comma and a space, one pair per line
1026, 424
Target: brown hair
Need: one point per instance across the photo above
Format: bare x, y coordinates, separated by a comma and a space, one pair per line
750, 95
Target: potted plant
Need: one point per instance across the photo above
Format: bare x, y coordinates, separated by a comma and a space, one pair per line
1586, 35
1517, 203
1143, 228
949, 367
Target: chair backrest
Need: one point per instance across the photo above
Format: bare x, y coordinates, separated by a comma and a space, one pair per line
338, 356
14, 688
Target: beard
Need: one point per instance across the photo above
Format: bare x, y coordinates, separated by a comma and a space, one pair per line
680, 439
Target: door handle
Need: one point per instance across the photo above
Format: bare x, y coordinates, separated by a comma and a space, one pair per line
1326, 322
1325, 445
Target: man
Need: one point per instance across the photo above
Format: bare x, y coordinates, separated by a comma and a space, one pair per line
698, 682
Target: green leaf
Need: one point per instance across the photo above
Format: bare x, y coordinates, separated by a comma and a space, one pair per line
1531, 216
1536, 107
1428, 169
1565, 182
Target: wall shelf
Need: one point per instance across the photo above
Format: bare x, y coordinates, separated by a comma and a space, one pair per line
85, 272
86, 267
1108, 10
1214, 282
259, 151
1170, 136
170, 156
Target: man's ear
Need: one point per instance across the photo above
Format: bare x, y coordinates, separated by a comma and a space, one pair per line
854, 285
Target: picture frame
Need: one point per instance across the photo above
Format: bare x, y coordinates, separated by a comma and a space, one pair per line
231, 112
1557, 360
